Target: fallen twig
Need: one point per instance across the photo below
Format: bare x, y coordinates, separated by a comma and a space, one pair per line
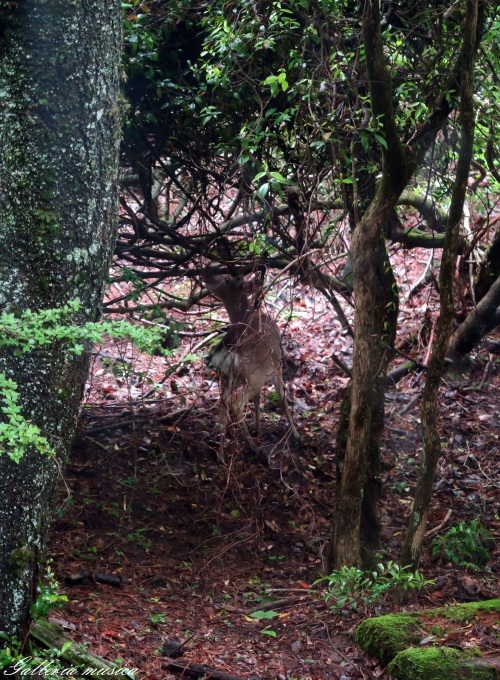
198, 670
437, 528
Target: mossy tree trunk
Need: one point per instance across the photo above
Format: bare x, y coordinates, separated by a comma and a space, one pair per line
355, 526
59, 141
430, 432
355, 531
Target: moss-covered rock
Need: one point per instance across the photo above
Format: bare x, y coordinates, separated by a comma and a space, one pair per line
386, 636
393, 639
440, 663
463, 611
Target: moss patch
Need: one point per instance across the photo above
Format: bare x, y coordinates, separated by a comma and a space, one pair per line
385, 636
464, 611
389, 637
439, 663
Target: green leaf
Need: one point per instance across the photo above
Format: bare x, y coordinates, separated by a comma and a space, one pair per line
278, 176
261, 615
263, 190
259, 175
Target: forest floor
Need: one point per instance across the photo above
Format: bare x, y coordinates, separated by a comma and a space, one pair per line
199, 547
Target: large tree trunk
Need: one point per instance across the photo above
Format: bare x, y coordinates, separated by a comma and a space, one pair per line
59, 138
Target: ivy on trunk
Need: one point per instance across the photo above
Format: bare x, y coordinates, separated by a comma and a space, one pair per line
59, 140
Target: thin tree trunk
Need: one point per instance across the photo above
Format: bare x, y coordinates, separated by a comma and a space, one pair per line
59, 140
489, 271
356, 527
481, 320
374, 324
432, 445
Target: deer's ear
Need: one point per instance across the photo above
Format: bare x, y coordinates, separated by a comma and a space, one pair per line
207, 274
250, 285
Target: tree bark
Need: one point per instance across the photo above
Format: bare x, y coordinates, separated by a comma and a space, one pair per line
376, 295
432, 446
489, 270
481, 320
356, 527
59, 141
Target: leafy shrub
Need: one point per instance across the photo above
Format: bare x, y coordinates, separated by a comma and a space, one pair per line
464, 544
351, 587
48, 596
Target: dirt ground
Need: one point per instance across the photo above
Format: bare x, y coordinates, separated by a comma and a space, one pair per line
201, 546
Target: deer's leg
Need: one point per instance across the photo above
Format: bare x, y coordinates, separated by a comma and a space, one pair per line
239, 403
280, 389
256, 402
223, 419
248, 437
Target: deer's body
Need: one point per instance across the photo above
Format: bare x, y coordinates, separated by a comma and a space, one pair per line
247, 358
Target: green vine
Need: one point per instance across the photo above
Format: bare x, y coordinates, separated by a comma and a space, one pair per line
22, 333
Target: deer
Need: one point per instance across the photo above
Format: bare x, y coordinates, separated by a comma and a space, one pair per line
248, 356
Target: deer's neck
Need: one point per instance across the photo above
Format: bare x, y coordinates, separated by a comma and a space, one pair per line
240, 311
